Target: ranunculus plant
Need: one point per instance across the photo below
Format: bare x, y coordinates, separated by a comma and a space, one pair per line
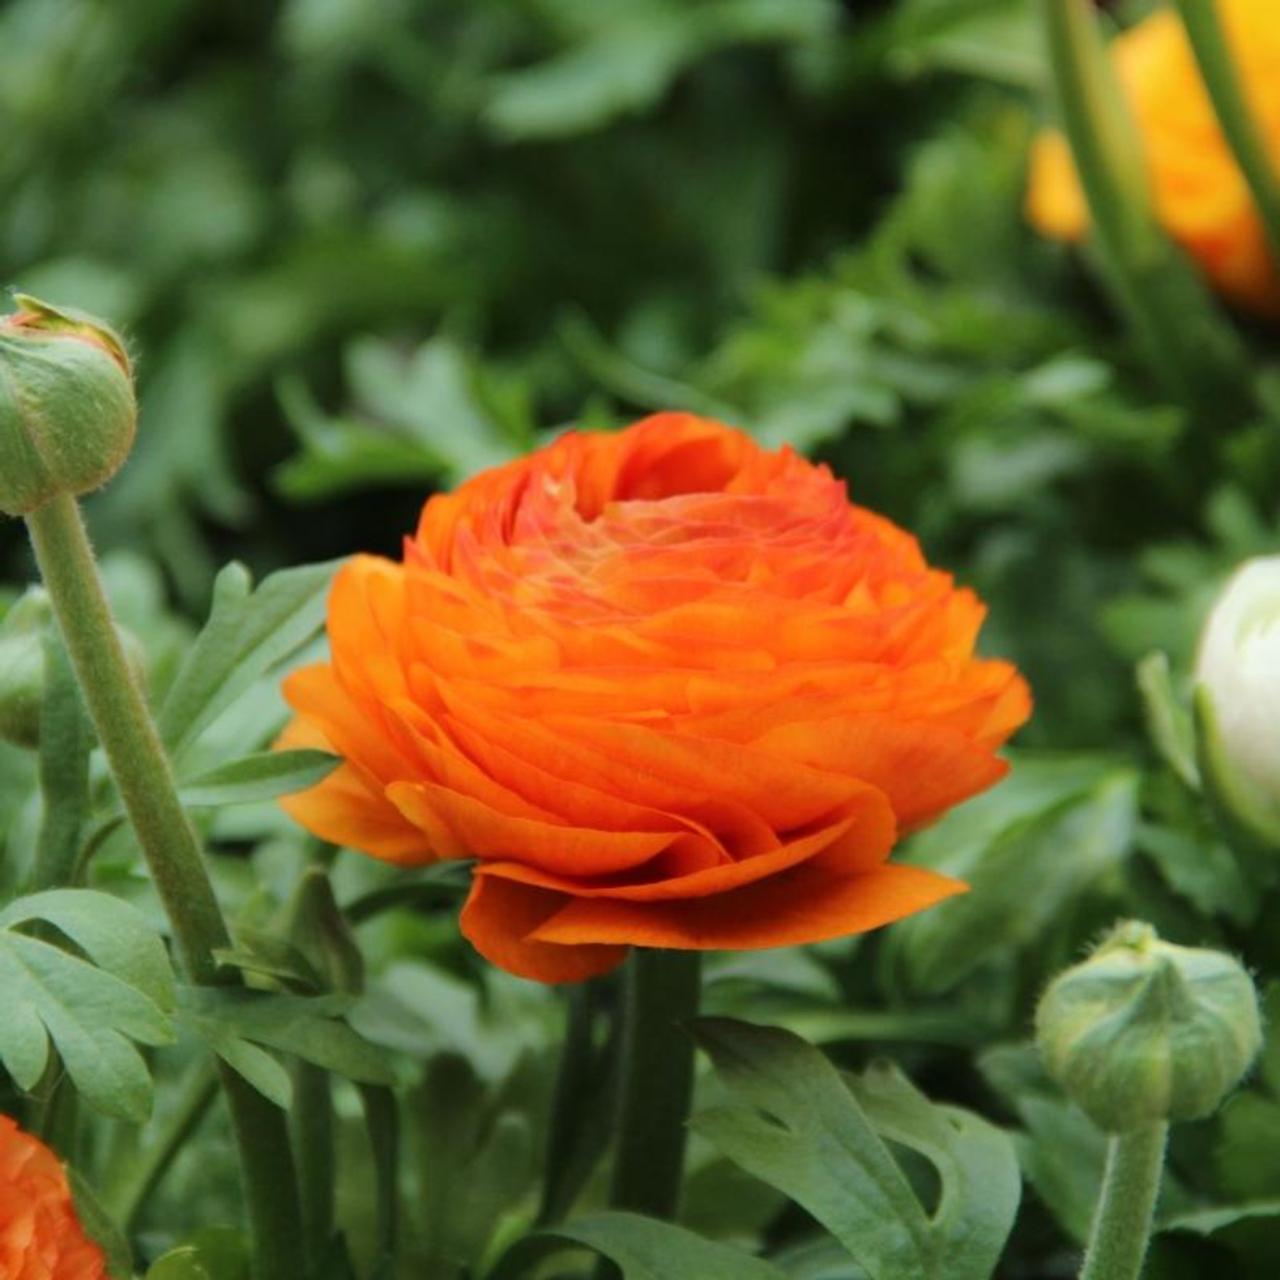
374, 930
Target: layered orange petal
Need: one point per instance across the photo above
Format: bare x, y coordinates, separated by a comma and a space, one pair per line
40, 1236
809, 904
652, 682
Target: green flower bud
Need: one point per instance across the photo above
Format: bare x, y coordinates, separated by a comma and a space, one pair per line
319, 930
22, 668
1144, 1031
67, 409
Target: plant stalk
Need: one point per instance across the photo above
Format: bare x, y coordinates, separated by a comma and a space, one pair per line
1123, 1218
311, 1121
1218, 70
564, 1168
656, 1085
1188, 345
172, 850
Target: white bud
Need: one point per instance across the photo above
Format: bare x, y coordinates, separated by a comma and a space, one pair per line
1238, 671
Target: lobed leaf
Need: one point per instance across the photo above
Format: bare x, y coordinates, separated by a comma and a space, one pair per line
94, 1009
976, 1162
248, 632
796, 1124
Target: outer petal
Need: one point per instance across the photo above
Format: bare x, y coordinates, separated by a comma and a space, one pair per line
811, 903
351, 808
499, 918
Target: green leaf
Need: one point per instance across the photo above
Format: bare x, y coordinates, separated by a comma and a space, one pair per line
341, 456
255, 1065
112, 933
268, 956
442, 884
304, 1026
93, 1009
981, 1184
434, 396
643, 1248
1199, 865
820, 1258
1062, 1152
1204, 1222
796, 1124
1249, 1136
248, 633
1168, 721
264, 775
216, 1253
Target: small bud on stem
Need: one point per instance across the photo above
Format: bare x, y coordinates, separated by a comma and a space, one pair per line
22, 668
1145, 1031
1141, 1034
67, 408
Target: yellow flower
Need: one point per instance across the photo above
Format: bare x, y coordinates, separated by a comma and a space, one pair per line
1199, 193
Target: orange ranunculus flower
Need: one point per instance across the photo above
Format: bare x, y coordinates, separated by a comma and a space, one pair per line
1200, 195
669, 689
40, 1236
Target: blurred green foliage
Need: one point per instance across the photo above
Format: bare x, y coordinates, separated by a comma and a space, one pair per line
366, 247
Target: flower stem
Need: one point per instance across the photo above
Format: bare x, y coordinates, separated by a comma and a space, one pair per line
313, 1141
1122, 1221
1187, 343
656, 1086
1217, 68
564, 1167
172, 850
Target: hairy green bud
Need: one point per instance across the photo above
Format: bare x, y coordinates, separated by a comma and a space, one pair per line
22, 668
1144, 1031
316, 926
23, 671
67, 408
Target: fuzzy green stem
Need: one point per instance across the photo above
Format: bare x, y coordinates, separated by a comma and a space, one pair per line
656, 1085
172, 850
128, 735
1239, 126
1126, 1207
